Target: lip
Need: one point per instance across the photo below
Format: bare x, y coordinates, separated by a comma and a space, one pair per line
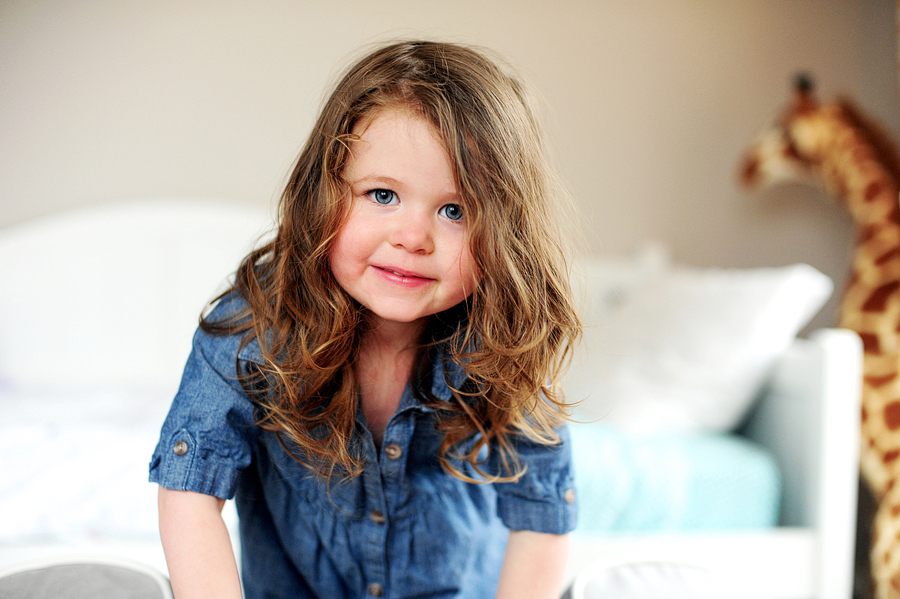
401, 277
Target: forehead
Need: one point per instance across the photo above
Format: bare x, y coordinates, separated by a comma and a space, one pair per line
380, 121
397, 141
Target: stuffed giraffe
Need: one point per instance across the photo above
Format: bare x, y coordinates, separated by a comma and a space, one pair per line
835, 146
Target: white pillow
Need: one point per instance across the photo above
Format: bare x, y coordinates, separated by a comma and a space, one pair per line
689, 349
602, 284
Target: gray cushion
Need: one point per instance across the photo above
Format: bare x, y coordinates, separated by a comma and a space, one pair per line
84, 581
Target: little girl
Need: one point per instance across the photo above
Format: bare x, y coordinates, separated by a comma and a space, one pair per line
377, 388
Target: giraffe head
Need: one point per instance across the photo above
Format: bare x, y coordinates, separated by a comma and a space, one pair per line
790, 149
834, 146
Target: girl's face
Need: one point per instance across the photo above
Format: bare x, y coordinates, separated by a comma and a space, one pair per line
403, 252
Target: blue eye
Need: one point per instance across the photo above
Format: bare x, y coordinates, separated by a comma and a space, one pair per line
383, 196
451, 211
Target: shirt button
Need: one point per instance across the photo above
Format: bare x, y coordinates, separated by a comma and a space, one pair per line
569, 496
393, 451
375, 589
377, 517
180, 448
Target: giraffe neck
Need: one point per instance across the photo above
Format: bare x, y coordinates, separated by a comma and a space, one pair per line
871, 300
851, 167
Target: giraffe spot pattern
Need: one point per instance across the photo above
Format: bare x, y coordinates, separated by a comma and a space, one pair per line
880, 381
859, 153
872, 190
895, 214
892, 415
887, 458
870, 343
878, 300
867, 234
887, 256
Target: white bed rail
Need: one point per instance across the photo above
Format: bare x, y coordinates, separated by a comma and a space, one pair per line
809, 418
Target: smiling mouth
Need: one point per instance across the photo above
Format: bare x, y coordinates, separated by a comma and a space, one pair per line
402, 274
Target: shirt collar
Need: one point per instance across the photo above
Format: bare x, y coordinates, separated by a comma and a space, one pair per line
446, 373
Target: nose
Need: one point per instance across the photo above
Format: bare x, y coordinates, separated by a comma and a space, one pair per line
412, 230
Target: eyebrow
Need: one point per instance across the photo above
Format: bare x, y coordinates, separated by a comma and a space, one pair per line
392, 183
388, 181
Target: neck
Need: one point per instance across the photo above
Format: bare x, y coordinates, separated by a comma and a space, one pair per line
384, 337
386, 359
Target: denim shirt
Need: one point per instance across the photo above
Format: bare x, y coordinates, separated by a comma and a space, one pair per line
402, 529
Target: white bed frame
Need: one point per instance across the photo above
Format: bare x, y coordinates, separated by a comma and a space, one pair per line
808, 416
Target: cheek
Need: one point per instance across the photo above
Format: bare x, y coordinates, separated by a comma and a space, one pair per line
334, 264
469, 273
350, 239
468, 258
341, 257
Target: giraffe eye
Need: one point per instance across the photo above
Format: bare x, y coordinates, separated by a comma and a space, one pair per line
790, 149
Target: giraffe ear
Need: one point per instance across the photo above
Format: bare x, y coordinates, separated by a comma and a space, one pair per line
803, 82
804, 96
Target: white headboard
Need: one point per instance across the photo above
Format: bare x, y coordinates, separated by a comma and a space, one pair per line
110, 294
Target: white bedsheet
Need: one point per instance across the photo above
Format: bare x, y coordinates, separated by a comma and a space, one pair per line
74, 473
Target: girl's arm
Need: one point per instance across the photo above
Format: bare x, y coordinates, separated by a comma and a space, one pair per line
197, 546
534, 565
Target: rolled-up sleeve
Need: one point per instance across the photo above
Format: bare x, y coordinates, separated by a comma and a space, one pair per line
543, 499
207, 436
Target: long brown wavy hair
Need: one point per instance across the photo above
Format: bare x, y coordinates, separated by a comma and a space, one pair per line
512, 336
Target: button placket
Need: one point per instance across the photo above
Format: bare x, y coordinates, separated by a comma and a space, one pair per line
375, 530
383, 493
392, 451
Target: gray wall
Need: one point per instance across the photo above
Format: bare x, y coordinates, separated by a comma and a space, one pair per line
648, 103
